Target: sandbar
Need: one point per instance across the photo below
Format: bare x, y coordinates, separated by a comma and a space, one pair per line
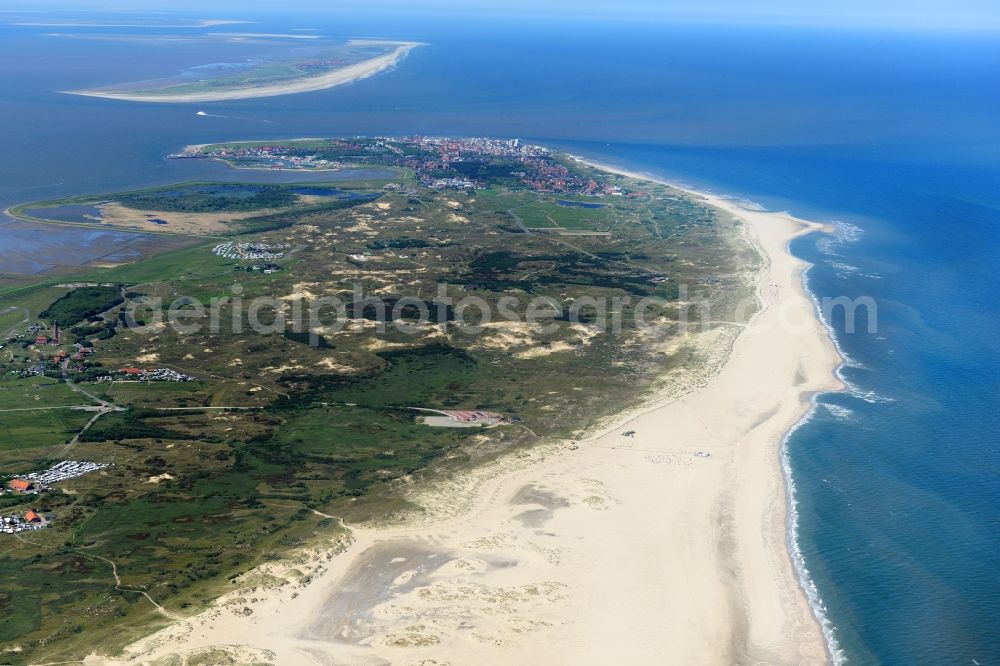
338, 77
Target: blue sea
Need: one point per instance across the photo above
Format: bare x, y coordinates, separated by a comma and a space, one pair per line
893, 136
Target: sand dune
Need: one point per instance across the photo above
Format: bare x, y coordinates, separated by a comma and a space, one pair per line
614, 550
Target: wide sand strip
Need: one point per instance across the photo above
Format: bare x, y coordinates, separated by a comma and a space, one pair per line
338, 77
614, 550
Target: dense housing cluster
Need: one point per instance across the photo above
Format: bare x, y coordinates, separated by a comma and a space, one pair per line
439, 163
38, 355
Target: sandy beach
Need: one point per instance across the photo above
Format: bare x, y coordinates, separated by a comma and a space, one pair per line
339, 77
666, 547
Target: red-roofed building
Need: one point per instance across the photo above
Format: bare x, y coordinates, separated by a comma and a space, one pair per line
21, 486
41, 340
132, 371
32, 517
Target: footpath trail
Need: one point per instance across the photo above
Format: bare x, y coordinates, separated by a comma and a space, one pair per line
114, 572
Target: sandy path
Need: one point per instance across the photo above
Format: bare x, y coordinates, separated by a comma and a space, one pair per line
630, 550
339, 77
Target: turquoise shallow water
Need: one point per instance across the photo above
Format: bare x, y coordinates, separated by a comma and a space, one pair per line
893, 135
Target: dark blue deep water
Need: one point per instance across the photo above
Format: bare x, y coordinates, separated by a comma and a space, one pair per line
893, 135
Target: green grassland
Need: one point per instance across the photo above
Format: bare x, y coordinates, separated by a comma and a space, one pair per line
34, 298
274, 428
37, 392
39, 428
547, 213
207, 392
307, 144
11, 319
191, 263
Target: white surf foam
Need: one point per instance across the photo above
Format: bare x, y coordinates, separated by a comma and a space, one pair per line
844, 234
837, 655
839, 411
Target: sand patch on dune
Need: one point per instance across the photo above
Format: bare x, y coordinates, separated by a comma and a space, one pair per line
545, 350
333, 366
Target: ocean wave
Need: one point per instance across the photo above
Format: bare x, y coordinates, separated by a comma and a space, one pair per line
847, 232
843, 233
849, 361
837, 655
855, 391
838, 411
846, 359
871, 397
846, 268
844, 271
827, 245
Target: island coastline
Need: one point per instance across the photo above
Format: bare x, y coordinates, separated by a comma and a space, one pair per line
836, 383
730, 594
338, 77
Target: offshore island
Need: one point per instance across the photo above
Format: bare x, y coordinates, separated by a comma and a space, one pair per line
358, 59
559, 492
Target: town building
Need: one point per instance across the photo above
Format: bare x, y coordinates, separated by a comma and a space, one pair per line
21, 486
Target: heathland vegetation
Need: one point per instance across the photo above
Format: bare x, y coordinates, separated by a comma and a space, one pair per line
276, 429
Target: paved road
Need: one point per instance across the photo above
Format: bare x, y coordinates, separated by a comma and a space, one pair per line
103, 407
79, 389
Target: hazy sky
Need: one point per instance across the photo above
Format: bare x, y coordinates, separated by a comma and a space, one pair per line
928, 13
974, 14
